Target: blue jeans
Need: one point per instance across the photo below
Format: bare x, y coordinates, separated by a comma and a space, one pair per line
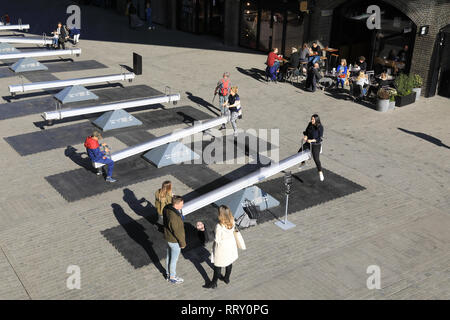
173, 252
341, 81
109, 163
222, 100
313, 59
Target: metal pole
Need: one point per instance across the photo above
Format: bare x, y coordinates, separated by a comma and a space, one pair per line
286, 210
25, 40
15, 27
40, 53
61, 114
244, 182
170, 137
70, 82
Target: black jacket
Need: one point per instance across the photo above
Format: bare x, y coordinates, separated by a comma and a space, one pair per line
294, 60
313, 132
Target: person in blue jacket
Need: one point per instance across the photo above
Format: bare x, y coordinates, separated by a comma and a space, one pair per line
96, 155
342, 73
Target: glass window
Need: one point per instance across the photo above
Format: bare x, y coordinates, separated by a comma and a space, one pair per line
294, 32
249, 24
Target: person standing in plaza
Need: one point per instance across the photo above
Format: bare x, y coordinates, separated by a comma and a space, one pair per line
173, 221
63, 36
225, 250
148, 14
234, 105
312, 78
312, 140
223, 89
163, 197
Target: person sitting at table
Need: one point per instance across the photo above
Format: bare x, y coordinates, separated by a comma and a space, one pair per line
294, 61
304, 53
315, 53
342, 73
384, 80
362, 80
273, 63
312, 78
392, 55
361, 63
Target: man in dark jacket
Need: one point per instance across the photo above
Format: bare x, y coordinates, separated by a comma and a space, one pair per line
63, 36
312, 78
94, 153
173, 221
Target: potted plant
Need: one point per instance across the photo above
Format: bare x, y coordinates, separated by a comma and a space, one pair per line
383, 100
404, 85
417, 85
392, 95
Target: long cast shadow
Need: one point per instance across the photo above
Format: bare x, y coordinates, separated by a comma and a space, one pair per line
426, 137
137, 232
256, 74
203, 103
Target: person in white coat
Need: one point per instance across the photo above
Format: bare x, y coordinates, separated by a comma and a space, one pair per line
225, 250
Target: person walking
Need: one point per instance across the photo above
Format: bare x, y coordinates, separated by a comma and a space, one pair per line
148, 13
223, 88
93, 150
312, 140
163, 197
234, 105
173, 221
225, 250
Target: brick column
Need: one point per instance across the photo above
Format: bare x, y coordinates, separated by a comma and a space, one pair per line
231, 23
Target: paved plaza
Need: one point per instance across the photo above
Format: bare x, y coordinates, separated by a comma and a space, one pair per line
398, 220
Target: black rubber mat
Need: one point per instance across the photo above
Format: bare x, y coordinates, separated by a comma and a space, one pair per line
82, 183
141, 241
41, 105
133, 170
53, 66
44, 140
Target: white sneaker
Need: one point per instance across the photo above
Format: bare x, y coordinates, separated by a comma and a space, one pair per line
321, 176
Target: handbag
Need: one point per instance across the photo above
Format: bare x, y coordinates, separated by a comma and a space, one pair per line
239, 240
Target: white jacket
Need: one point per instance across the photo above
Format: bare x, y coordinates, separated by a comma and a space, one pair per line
225, 250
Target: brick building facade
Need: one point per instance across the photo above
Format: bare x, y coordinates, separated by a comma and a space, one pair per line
313, 25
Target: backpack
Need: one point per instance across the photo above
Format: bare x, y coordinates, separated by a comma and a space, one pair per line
224, 87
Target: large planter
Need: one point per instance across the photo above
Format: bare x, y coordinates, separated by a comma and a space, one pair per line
382, 105
417, 91
401, 101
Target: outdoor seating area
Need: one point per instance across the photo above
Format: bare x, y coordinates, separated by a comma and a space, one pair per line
383, 86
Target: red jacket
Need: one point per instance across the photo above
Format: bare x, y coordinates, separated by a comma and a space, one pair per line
271, 58
91, 143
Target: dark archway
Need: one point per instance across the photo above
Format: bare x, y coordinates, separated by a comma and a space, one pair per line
353, 38
444, 62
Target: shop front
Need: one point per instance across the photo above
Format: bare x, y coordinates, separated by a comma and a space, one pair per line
392, 44
271, 24
201, 16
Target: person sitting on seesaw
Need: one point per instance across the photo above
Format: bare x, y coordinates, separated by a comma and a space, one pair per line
96, 155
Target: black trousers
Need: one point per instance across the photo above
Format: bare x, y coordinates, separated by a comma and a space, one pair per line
217, 271
315, 153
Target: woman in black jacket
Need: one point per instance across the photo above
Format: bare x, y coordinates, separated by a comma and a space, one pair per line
312, 136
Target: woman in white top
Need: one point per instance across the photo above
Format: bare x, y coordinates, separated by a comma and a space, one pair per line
225, 250
362, 80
